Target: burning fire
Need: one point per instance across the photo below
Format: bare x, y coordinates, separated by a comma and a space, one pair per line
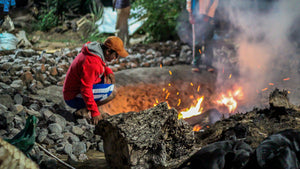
197, 127
193, 110
230, 100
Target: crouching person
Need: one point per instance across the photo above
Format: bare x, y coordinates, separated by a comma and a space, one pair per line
89, 82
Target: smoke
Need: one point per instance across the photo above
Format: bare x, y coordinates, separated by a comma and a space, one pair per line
265, 38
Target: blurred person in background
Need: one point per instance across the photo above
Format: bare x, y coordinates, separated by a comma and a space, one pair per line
123, 12
201, 16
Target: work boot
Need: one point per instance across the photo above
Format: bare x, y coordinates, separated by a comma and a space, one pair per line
195, 68
210, 68
195, 65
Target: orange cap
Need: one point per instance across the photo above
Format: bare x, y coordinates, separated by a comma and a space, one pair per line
116, 44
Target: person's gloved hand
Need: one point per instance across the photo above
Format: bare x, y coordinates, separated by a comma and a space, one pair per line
96, 119
191, 18
110, 79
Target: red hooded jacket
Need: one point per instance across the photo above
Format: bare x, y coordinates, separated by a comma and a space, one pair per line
86, 70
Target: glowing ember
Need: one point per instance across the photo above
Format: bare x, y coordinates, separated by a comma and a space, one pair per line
193, 111
179, 102
197, 127
230, 100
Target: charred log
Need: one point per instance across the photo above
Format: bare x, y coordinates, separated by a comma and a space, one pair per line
207, 118
152, 138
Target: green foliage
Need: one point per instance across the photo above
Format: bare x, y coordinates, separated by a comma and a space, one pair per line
96, 14
162, 17
47, 20
54, 12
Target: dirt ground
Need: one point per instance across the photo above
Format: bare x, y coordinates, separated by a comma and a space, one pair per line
142, 88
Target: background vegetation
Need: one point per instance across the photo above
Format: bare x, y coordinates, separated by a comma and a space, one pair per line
161, 15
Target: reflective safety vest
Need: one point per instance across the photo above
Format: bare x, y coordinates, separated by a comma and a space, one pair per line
204, 7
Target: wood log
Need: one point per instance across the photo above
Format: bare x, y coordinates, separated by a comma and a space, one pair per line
152, 138
206, 118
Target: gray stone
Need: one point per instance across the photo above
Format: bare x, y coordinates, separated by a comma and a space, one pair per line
167, 61
42, 134
6, 66
60, 147
185, 53
46, 113
88, 144
33, 112
55, 118
6, 88
77, 130
14, 131
6, 100
56, 136
79, 148
52, 93
3, 108
17, 84
100, 146
19, 108
73, 139
82, 157
18, 99
35, 107
48, 141
88, 135
55, 128
82, 121
68, 148
72, 159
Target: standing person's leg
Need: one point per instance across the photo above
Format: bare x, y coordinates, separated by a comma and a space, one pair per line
209, 46
197, 60
122, 24
198, 44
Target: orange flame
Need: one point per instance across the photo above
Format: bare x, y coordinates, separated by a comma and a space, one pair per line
198, 88
192, 111
179, 102
230, 101
197, 127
